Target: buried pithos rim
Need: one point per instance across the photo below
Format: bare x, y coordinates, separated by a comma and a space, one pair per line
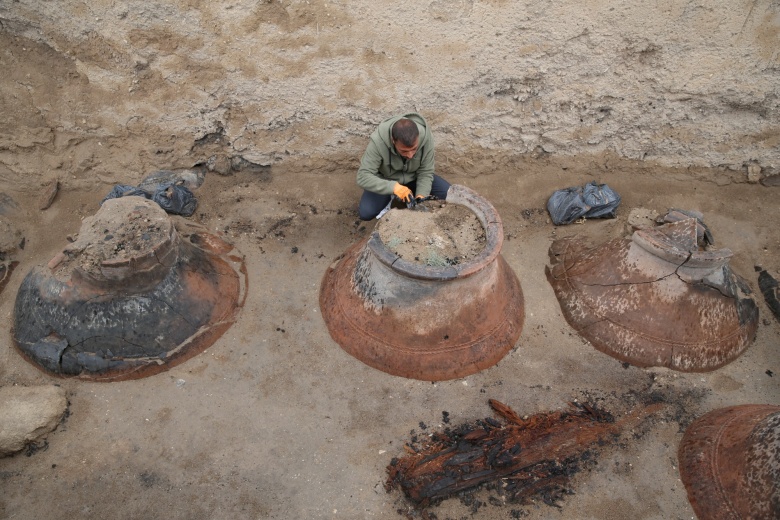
655, 300
96, 314
729, 462
424, 322
494, 239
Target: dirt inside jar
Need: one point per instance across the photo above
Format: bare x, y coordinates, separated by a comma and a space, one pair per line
435, 234
123, 228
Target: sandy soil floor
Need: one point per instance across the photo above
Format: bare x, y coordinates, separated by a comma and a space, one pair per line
276, 421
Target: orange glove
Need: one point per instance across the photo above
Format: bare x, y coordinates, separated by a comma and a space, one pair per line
402, 192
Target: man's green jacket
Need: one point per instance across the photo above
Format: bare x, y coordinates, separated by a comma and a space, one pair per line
381, 166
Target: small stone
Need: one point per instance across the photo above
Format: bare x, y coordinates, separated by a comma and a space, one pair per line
10, 236
641, 218
753, 173
48, 195
27, 414
771, 180
220, 164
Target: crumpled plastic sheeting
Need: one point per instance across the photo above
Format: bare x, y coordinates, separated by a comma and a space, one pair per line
174, 198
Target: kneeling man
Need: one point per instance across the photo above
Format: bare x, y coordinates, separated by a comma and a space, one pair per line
399, 160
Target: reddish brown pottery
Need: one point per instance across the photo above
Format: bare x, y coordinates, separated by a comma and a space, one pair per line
131, 297
655, 299
422, 322
730, 463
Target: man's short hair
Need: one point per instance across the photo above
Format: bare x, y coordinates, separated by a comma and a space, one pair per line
405, 130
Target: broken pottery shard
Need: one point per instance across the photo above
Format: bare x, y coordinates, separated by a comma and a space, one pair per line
771, 290
703, 234
655, 299
48, 195
425, 322
132, 296
730, 463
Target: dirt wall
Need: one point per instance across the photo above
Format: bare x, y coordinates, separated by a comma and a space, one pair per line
108, 89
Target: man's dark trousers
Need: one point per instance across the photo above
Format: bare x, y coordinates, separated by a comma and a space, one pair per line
372, 203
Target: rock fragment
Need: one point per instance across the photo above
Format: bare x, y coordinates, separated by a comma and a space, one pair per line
49, 194
27, 414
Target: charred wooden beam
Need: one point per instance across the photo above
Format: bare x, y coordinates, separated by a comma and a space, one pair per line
530, 456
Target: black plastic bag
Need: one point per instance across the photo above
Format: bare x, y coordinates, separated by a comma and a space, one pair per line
123, 190
590, 201
173, 198
567, 205
602, 199
176, 199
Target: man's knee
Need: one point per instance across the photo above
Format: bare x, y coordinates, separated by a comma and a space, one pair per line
440, 188
371, 204
366, 215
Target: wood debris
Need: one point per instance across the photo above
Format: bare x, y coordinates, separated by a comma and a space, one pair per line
532, 456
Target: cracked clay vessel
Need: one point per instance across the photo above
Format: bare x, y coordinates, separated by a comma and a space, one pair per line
655, 299
730, 463
423, 322
131, 297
